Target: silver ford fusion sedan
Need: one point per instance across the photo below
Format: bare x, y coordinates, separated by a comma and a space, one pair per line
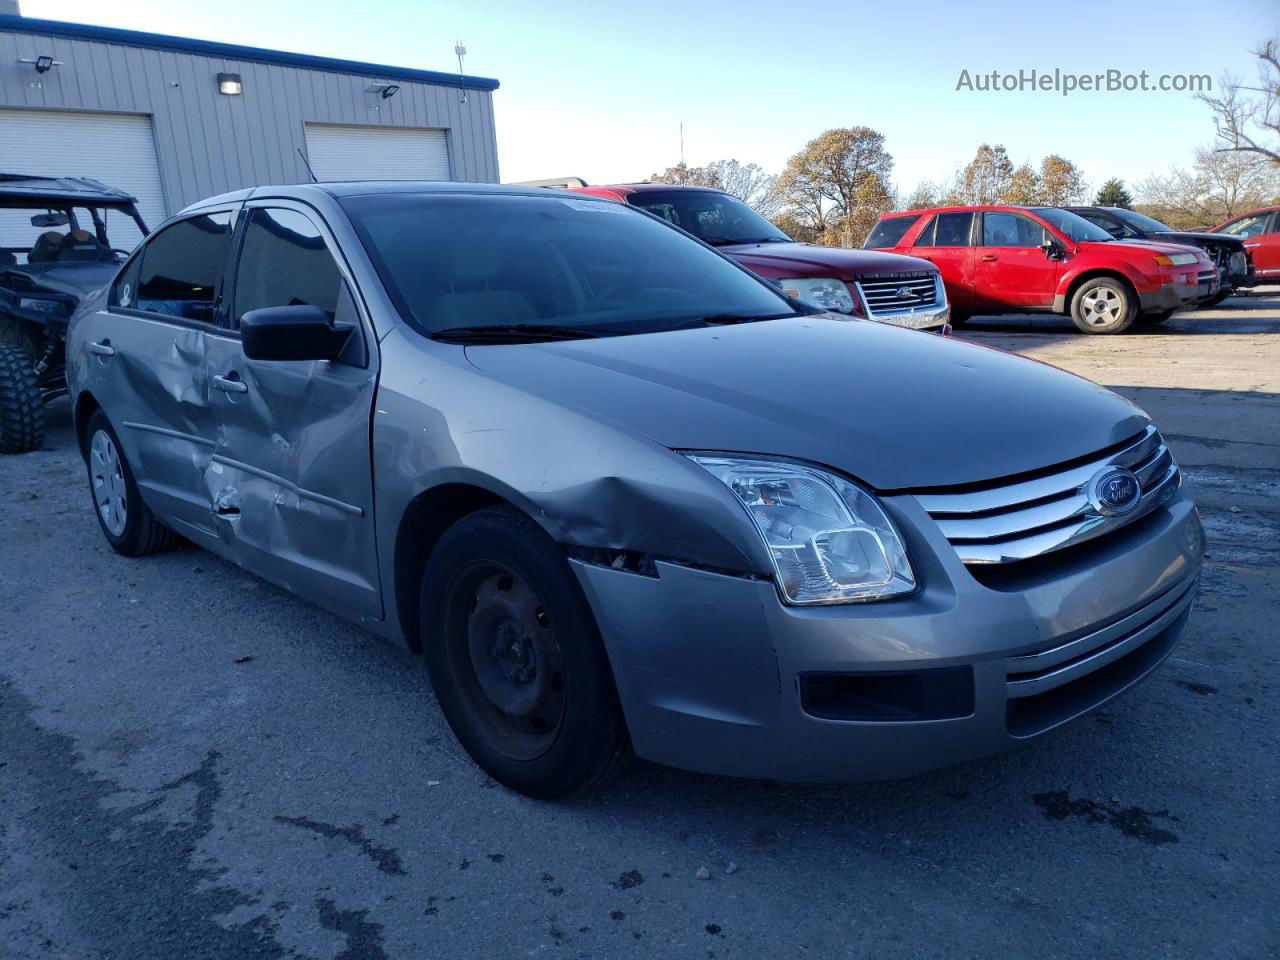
623, 495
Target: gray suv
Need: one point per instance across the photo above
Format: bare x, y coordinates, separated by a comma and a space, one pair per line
622, 494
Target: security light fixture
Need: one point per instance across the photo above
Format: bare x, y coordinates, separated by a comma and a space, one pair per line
43, 64
229, 84
389, 90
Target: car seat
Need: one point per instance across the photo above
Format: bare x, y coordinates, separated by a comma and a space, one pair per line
46, 247
81, 245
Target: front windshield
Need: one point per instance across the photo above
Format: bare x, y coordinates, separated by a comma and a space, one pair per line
716, 218
1076, 227
559, 263
1141, 222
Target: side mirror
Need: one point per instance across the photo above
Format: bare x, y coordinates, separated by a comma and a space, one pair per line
1052, 249
297, 332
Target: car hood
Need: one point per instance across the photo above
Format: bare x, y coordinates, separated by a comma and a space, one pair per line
894, 408
76, 279
1138, 246
809, 260
1213, 239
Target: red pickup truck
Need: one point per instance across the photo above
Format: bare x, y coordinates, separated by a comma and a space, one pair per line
1004, 259
893, 289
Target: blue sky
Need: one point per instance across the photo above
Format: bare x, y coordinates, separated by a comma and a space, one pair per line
599, 90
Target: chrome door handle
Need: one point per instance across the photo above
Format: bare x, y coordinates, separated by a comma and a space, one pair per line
230, 384
102, 348
1252, 245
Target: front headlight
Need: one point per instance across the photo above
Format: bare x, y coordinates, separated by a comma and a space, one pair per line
829, 539
1177, 260
825, 292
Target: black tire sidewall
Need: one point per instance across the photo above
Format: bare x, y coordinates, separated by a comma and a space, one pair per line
22, 422
1122, 288
591, 731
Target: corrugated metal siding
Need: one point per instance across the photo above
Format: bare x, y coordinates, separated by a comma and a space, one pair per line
117, 149
377, 153
208, 143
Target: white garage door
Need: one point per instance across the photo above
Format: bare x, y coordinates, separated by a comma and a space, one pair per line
376, 153
118, 149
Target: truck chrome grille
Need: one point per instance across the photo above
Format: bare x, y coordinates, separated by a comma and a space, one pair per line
1005, 522
899, 293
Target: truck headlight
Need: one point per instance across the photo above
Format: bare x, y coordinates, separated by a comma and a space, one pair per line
825, 292
829, 539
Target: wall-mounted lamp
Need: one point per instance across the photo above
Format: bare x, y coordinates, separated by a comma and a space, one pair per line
385, 90
230, 85
43, 64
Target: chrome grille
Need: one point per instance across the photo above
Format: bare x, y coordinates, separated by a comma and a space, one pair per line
899, 293
1012, 521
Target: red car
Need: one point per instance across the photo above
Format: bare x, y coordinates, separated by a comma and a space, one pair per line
1260, 231
886, 287
1020, 259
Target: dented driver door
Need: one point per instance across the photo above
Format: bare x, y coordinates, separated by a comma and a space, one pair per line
290, 482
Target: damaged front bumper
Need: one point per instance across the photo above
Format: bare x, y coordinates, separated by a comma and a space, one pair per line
716, 675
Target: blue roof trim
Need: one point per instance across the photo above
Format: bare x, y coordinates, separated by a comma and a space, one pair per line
234, 51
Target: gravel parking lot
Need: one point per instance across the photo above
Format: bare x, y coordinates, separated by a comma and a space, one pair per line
195, 765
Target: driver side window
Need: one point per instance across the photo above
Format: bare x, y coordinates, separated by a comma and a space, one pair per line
1010, 230
1249, 226
285, 262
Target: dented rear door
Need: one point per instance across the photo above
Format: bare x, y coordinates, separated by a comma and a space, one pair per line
145, 363
290, 478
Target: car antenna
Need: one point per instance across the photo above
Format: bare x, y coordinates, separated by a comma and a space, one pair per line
302, 156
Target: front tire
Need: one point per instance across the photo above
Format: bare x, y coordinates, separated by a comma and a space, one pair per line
21, 404
516, 659
1103, 305
126, 522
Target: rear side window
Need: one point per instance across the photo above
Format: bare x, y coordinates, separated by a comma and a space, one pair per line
947, 230
1010, 230
181, 268
285, 262
889, 231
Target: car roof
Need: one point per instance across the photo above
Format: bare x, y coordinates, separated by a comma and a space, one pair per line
362, 188
18, 186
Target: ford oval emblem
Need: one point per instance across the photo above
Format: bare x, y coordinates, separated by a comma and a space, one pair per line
1114, 491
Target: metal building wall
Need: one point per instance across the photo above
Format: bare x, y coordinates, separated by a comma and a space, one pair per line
208, 143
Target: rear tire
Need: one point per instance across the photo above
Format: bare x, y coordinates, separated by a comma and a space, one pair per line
1104, 305
516, 659
1217, 298
21, 403
127, 523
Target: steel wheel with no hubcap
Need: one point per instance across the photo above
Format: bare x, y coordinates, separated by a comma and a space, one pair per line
506, 661
109, 490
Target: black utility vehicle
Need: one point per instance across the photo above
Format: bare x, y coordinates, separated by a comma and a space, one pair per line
1227, 253
44, 274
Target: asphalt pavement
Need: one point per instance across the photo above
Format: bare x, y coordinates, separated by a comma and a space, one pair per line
193, 764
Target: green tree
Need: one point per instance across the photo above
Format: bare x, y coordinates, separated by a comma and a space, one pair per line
1114, 194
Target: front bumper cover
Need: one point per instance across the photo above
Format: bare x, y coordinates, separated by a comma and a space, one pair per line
710, 667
